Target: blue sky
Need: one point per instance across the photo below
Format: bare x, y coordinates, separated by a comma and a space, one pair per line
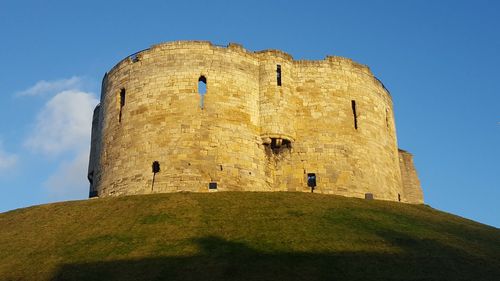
439, 59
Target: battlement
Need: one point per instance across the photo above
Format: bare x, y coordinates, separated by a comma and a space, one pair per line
222, 118
188, 44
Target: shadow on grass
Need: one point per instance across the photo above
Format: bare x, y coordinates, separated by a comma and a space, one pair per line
225, 260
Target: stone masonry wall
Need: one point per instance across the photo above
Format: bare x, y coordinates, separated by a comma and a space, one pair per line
251, 133
412, 192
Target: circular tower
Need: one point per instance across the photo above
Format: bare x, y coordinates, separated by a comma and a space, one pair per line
192, 116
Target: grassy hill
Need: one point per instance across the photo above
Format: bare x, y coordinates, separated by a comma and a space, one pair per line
243, 236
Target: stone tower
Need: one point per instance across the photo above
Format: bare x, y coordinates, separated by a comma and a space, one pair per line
266, 122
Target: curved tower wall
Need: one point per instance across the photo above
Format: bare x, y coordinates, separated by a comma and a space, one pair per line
348, 160
94, 151
251, 134
277, 102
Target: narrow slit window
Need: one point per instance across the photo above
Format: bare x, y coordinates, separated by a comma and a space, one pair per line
387, 118
122, 103
202, 89
354, 114
278, 74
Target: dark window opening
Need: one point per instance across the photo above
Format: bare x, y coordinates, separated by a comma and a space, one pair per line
156, 167
212, 185
354, 114
369, 196
399, 197
279, 145
90, 177
122, 103
202, 89
387, 118
220, 167
278, 74
311, 181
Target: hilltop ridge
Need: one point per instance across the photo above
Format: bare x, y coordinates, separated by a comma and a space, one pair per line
243, 236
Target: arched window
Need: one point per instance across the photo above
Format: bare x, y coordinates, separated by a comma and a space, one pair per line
202, 89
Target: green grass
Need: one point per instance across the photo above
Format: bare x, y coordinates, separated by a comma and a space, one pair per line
243, 236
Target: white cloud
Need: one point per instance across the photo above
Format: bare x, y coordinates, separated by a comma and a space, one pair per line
7, 160
62, 131
69, 181
63, 124
47, 87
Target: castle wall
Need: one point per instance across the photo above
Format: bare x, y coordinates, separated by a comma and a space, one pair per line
94, 151
347, 160
412, 192
251, 133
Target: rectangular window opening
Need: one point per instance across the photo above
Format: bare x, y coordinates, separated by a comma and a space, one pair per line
354, 114
212, 186
369, 196
278, 74
311, 180
156, 167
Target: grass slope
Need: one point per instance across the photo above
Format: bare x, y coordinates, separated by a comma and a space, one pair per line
243, 236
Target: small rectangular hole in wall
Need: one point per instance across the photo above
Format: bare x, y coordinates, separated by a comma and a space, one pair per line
156, 167
311, 180
369, 196
399, 197
212, 186
354, 114
278, 74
